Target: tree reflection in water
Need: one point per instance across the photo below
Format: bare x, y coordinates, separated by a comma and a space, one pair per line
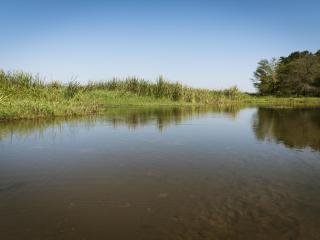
295, 128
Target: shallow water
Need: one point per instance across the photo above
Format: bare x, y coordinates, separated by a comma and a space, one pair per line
167, 173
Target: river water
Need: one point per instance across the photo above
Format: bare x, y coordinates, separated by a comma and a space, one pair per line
163, 173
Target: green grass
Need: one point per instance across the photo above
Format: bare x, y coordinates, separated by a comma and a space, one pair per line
24, 96
283, 101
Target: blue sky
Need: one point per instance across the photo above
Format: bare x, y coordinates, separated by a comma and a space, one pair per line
214, 44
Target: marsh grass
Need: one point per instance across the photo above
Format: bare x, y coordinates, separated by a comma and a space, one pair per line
23, 95
72, 89
168, 90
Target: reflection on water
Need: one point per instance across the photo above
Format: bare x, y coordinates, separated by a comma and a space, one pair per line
162, 117
296, 128
132, 118
162, 173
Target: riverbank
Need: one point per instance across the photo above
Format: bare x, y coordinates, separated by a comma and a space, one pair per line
53, 104
23, 96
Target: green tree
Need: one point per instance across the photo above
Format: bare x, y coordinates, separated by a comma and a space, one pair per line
265, 79
299, 74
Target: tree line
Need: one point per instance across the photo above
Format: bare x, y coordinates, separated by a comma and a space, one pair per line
295, 75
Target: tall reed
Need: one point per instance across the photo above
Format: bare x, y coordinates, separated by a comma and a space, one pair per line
15, 82
162, 88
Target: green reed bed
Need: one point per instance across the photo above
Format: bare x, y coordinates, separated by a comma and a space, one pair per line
167, 90
23, 95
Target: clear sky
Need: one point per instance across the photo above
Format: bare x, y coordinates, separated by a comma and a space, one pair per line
213, 44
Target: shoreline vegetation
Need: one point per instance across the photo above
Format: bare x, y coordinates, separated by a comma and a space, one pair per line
27, 96
295, 75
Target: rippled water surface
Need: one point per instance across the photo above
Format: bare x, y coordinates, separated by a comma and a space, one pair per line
166, 173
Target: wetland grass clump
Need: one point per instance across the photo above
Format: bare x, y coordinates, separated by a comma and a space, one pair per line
72, 89
163, 89
23, 95
19, 80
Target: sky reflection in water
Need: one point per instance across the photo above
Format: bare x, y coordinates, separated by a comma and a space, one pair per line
165, 173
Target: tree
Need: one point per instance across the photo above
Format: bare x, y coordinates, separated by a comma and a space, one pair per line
265, 79
299, 75
295, 75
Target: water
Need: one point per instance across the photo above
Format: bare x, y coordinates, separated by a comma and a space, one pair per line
168, 173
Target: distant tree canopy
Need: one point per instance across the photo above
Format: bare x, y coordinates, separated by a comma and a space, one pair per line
295, 75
